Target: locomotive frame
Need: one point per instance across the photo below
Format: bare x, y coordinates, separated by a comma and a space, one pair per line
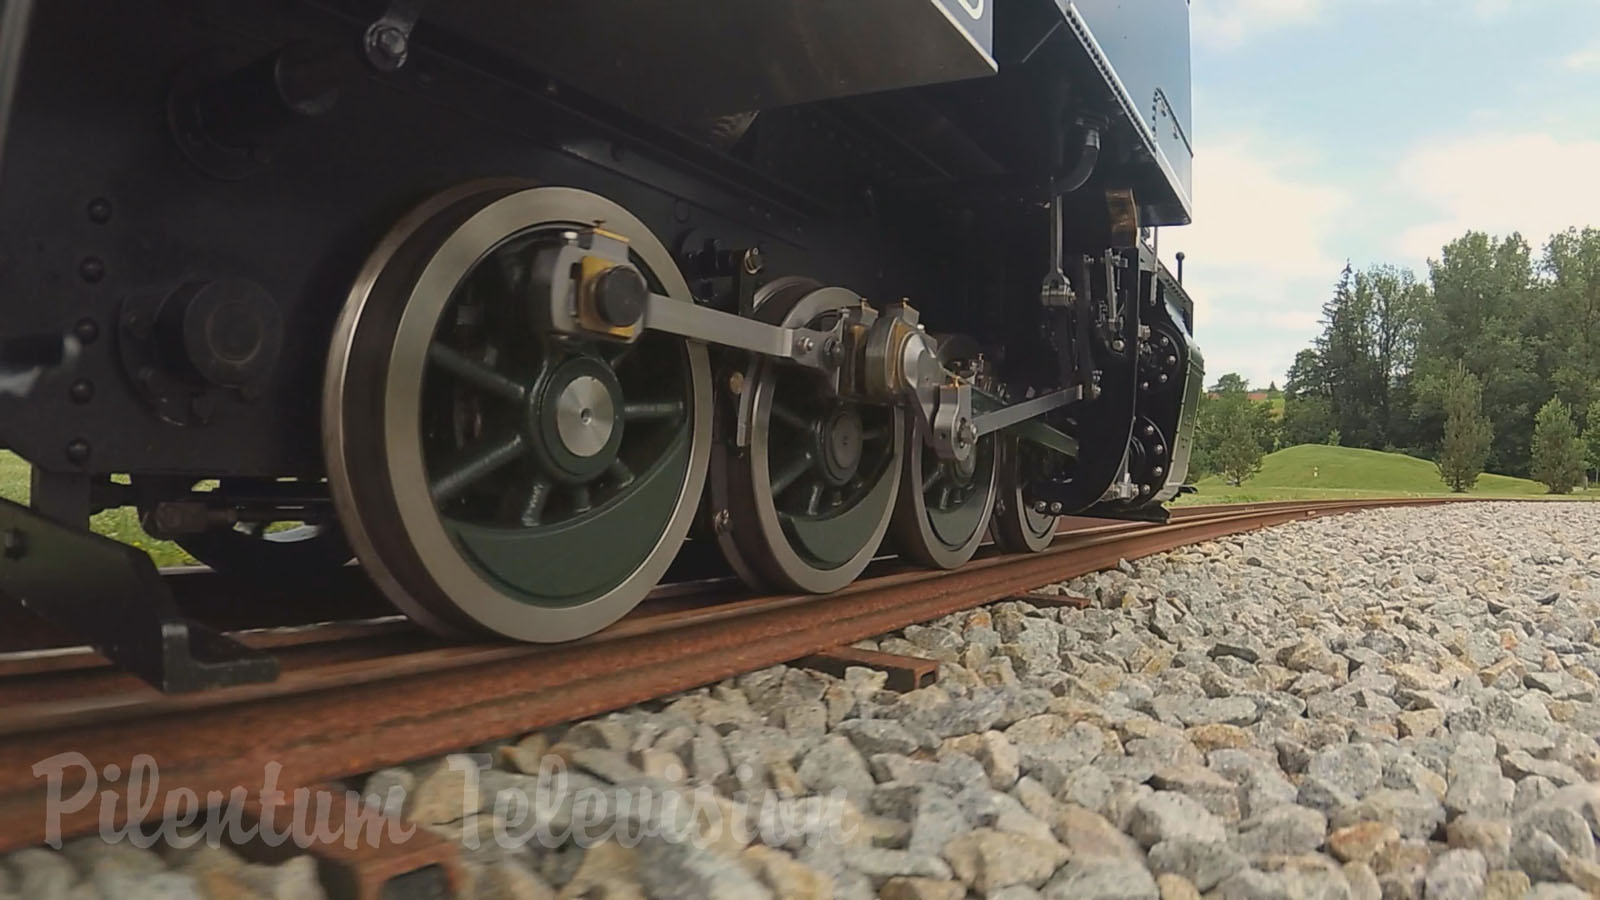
509, 299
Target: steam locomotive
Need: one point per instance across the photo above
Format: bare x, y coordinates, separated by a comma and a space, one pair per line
508, 300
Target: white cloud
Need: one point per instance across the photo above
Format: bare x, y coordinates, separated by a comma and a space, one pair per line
1584, 60
1490, 9
1226, 24
1537, 184
1229, 23
1261, 255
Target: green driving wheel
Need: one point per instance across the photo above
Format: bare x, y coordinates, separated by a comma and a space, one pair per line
1016, 526
804, 503
494, 476
942, 512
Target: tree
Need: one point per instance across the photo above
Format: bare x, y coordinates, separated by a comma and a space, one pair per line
1591, 436
1239, 450
1307, 408
1306, 420
1558, 456
1345, 349
1466, 432
1231, 383
1232, 433
1362, 361
1394, 302
1526, 324
1485, 311
1568, 314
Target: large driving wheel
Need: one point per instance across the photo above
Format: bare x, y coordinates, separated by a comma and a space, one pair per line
493, 476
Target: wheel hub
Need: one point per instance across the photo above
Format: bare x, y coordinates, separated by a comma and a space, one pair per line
575, 419
840, 446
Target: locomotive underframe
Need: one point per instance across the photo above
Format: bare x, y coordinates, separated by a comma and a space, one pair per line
153, 179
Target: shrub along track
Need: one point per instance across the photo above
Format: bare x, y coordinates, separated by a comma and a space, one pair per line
358, 696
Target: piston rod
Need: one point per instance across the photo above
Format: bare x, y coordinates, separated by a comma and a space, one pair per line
1017, 413
804, 346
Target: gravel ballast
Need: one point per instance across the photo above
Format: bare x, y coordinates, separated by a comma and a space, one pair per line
1389, 704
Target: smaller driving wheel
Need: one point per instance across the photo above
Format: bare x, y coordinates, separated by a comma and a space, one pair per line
805, 505
1017, 527
943, 508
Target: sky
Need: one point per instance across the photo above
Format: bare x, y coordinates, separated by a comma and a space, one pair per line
1373, 131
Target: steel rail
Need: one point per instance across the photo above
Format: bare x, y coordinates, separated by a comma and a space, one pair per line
330, 720
344, 606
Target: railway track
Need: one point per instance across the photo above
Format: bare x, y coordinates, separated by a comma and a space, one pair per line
356, 696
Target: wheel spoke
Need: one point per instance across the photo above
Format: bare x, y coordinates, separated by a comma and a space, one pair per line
581, 501
944, 498
876, 433
790, 418
622, 356
481, 460
934, 476
476, 373
534, 500
641, 411
814, 499
507, 271
621, 475
790, 474
835, 498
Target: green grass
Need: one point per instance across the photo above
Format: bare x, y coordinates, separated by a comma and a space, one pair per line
121, 524
1320, 472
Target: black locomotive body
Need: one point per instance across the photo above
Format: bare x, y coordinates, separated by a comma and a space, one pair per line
506, 299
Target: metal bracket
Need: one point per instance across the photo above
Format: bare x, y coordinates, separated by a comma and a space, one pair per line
112, 595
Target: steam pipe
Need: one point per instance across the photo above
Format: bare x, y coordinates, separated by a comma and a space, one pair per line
1080, 174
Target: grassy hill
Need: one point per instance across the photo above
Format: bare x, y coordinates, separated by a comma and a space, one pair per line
1316, 471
